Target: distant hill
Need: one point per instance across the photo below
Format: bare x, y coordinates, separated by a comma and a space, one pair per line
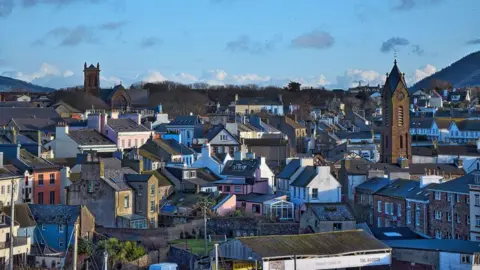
464, 72
8, 84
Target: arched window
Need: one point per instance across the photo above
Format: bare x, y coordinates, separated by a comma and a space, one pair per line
400, 116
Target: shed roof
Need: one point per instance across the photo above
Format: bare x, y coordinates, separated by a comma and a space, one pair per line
329, 244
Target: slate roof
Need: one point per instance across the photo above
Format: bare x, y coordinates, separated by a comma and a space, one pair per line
400, 188
398, 233
444, 245
290, 169
394, 78
422, 194
329, 243
35, 162
361, 167
135, 177
207, 175
423, 123
332, 212
21, 104
161, 149
244, 167
190, 120
89, 137
362, 135
115, 177
220, 157
33, 124
468, 125
7, 113
213, 132
257, 198
162, 179
55, 213
305, 177
138, 96
373, 185
79, 100
458, 185
450, 150
23, 215
125, 125
265, 142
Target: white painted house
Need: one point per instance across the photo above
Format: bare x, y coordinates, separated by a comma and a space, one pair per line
207, 160
68, 143
314, 185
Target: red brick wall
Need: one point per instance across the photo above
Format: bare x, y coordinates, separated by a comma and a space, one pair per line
423, 225
445, 226
362, 210
400, 220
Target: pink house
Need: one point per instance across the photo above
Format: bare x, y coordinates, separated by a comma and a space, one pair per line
126, 130
245, 176
226, 206
255, 203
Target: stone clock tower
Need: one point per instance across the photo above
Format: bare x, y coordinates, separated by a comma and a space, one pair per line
396, 140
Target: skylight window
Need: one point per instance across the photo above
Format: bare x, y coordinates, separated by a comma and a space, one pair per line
392, 234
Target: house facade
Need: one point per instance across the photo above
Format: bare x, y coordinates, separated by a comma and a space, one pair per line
449, 211
188, 127
222, 141
327, 217
244, 176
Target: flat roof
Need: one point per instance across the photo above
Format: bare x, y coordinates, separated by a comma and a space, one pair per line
329, 243
445, 245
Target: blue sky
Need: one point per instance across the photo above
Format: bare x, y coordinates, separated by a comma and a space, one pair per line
317, 42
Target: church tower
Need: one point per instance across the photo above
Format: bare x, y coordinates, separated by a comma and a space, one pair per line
91, 81
396, 140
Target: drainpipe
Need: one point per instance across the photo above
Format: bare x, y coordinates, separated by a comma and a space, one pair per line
451, 204
424, 218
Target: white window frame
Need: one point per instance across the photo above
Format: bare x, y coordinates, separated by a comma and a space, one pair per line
60, 228
399, 209
438, 195
237, 189
465, 259
438, 215
379, 206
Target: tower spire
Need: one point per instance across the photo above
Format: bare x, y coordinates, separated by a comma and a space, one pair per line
395, 57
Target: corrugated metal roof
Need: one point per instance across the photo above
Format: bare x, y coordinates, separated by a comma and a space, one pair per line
329, 244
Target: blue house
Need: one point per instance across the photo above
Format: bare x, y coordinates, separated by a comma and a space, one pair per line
56, 224
189, 127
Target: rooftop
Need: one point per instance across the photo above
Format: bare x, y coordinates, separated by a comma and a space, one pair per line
89, 137
125, 125
290, 169
190, 120
55, 213
332, 212
8, 113
327, 244
445, 245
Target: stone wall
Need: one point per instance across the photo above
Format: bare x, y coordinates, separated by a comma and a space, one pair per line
152, 238
182, 257
249, 226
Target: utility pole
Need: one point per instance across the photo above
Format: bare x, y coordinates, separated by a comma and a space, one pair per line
75, 247
205, 228
105, 260
216, 256
12, 223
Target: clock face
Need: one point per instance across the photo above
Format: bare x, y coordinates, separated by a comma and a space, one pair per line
400, 96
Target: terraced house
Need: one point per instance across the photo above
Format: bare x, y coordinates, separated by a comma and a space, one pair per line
449, 215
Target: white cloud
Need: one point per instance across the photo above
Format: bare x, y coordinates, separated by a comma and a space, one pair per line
153, 76
352, 77
250, 79
45, 70
214, 75
68, 73
183, 77
424, 72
